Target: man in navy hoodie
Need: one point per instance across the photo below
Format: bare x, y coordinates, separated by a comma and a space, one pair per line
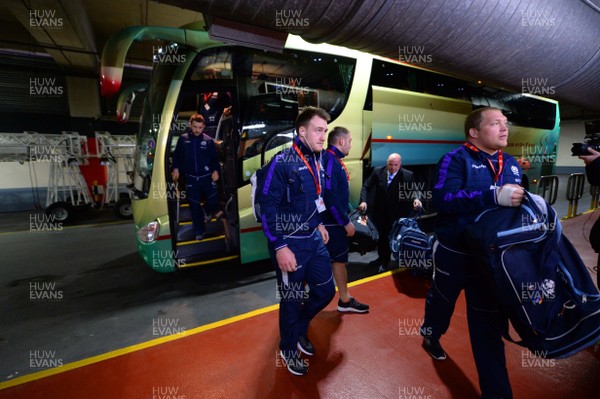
468, 180
196, 155
291, 205
339, 226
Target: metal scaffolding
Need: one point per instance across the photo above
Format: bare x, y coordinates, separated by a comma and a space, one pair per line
63, 152
116, 152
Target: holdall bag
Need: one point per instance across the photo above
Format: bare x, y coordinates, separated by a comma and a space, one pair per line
412, 247
540, 280
365, 236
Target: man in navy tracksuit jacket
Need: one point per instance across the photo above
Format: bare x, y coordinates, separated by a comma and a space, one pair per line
335, 218
469, 179
196, 155
291, 204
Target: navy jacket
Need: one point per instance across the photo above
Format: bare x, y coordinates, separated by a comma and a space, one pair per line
196, 155
337, 188
464, 186
288, 196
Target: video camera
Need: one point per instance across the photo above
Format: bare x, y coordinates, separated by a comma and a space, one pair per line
590, 141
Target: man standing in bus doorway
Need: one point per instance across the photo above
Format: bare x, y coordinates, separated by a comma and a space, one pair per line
337, 222
291, 206
468, 180
390, 190
196, 156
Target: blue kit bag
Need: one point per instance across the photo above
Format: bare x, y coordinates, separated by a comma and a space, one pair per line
412, 247
540, 281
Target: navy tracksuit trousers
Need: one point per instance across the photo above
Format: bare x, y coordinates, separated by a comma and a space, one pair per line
298, 307
453, 272
196, 188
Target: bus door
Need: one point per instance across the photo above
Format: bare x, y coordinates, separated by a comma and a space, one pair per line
216, 102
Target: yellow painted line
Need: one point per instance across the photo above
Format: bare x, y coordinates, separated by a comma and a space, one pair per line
159, 341
133, 348
203, 240
208, 262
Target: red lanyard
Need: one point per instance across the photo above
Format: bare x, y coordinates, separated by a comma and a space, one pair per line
500, 162
317, 181
342, 162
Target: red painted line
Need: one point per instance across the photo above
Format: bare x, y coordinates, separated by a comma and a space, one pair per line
251, 229
165, 237
418, 141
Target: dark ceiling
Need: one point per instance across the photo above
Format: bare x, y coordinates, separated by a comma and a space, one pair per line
550, 47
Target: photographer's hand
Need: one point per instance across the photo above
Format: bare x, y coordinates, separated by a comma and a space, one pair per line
587, 159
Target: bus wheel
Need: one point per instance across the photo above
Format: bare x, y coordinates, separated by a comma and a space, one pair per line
60, 212
123, 208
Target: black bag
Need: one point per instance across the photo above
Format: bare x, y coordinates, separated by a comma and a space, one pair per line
366, 235
540, 280
412, 247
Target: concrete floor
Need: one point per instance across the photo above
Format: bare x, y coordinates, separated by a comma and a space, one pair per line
83, 291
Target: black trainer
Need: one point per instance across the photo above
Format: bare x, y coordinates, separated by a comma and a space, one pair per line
306, 346
352, 306
434, 349
294, 363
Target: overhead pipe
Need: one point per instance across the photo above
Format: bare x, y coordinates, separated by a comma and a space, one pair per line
546, 47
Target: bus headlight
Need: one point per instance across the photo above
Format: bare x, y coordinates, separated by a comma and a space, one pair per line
149, 232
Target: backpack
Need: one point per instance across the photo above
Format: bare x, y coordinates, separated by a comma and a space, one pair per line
257, 183
365, 233
412, 247
541, 282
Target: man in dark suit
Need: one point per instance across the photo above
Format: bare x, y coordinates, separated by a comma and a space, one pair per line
392, 193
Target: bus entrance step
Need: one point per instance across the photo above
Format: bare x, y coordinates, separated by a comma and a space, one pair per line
209, 259
186, 230
208, 244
